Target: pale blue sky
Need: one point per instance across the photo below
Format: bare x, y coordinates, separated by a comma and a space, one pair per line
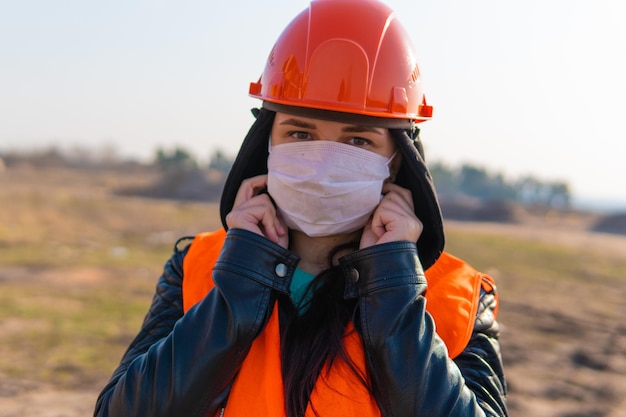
533, 87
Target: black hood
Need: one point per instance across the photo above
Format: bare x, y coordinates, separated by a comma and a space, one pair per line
413, 175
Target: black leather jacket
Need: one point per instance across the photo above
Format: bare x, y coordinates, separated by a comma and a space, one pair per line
183, 365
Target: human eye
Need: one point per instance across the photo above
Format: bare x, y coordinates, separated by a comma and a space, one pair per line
359, 141
300, 135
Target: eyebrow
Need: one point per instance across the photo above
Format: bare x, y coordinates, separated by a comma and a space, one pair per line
359, 128
298, 123
350, 128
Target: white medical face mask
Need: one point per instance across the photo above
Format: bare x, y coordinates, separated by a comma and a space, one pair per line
323, 187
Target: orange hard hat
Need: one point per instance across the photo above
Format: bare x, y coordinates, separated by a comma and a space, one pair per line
350, 56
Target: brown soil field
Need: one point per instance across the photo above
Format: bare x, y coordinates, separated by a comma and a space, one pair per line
563, 341
75, 258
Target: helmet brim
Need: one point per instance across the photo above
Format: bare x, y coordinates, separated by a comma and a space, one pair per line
342, 117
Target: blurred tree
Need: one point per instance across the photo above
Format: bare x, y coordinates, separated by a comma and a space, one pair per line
445, 178
477, 182
555, 194
177, 160
219, 161
561, 196
474, 181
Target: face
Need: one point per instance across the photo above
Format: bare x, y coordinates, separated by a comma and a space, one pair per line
288, 128
350, 193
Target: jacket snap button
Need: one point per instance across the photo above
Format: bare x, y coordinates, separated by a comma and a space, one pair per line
354, 275
281, 270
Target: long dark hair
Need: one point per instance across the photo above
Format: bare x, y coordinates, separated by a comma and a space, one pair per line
314, 337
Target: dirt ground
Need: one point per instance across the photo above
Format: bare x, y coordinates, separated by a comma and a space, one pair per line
564, 348
565, 376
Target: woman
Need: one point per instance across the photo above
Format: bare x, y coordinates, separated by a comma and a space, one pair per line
313, 299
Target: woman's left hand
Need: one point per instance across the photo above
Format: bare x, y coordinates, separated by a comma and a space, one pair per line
393, 220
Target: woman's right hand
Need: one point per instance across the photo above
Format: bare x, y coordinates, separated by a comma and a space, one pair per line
255, 212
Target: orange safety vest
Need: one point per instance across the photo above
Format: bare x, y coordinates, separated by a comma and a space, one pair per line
452, 300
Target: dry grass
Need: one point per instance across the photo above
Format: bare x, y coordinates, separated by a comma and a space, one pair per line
78, 266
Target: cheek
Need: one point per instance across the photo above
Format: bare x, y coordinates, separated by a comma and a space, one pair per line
273, 135
279, 136
394, 167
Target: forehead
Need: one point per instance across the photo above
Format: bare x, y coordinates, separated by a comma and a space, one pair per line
290, 121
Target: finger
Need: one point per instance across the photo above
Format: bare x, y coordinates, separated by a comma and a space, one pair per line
377, 224
397, 205
271, 225
267, 216
249, 188
256, 213
394, 209
392, 221
396, 191
368, 237
393, 201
